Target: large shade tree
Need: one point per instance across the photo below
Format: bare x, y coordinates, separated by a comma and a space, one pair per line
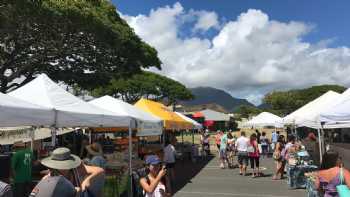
145, 84
80, 42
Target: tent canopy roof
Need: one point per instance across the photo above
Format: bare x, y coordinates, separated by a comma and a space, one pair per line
337, 114
16, 112
308, 114
148, 125
214, 115
196, 125
265, 119
123, 109
171, 119
70, 110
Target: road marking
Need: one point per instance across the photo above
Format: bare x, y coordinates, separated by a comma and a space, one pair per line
229, 194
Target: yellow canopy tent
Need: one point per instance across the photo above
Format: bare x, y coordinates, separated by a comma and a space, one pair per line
171, 120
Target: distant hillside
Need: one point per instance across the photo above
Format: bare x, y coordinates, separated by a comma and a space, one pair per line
264, 106
208, 95
212, 106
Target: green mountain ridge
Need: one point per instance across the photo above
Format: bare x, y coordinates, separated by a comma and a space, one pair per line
207, 95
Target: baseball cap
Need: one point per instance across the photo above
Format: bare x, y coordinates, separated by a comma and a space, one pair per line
152, 159
53, 186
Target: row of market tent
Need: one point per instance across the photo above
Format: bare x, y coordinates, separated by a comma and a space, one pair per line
330, 110
43, 103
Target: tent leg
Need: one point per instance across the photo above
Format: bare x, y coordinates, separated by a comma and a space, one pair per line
320, 144
130, 158
182, 136
192, 136
53, 137
32, 138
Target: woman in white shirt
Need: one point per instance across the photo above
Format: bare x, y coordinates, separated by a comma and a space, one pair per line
152, 184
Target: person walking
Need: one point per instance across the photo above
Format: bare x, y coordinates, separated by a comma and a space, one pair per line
230, 149
279, 159
205, 142
169, 160
254, 155
274, 139
223, 151
242, 146
21, 163
264, 144
218, 139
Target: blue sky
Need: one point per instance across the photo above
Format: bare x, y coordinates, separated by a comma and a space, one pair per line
246, 47
329, 17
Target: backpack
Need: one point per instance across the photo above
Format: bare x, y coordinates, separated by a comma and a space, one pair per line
136, 186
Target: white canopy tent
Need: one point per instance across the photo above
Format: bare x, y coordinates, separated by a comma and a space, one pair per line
308, 114
147, 124
16, 112
70, 111
265, 119
196, 125
337, 114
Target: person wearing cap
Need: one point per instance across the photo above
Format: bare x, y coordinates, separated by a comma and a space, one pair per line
21, 164
152, 183
84, 178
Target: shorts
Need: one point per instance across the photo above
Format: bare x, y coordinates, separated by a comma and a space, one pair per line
218, 145
170, 165
254, 162
223, 154
243, 158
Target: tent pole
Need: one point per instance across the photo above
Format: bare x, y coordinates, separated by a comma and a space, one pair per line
130, 156
320, 144
54, 131
192, 136
32, 138
182, 136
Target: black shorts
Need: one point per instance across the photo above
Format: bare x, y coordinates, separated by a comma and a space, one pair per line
218, 145
170, 165
242, 158
254, 162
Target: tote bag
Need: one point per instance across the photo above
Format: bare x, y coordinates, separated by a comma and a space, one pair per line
343, 189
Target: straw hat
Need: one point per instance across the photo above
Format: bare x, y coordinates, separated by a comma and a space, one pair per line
62, 159
94, 149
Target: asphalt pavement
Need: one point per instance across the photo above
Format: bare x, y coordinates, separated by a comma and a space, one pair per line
206, 179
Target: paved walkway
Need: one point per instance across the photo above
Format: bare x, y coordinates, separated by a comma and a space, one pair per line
205, 179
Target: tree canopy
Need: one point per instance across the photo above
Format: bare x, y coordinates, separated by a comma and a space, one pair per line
145, 84
285, 102
80, 42
245, 111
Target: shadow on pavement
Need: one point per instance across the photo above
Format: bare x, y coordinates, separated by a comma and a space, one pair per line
186, 170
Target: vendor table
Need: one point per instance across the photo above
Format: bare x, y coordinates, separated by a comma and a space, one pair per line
295, 175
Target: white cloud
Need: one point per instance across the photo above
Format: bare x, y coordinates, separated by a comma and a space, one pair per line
249, 56
206, 20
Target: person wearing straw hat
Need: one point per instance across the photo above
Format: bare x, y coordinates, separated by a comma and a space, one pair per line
95, 154
21, 164
84, 178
